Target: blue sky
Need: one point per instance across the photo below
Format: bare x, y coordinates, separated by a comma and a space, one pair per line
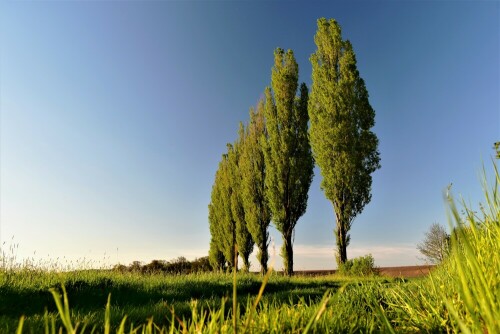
114, 115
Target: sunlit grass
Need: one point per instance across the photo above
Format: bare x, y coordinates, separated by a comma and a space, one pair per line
463, 293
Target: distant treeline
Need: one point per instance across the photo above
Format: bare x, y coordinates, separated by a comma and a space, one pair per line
179, 265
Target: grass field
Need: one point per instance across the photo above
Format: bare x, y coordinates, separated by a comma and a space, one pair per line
202, 303
142, 297
460, 295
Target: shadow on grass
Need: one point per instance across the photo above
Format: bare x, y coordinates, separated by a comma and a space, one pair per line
138, 301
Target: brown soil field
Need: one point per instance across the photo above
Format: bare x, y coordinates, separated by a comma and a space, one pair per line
406, 271
403, 271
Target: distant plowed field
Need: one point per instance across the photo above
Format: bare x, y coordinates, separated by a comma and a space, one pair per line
404, 271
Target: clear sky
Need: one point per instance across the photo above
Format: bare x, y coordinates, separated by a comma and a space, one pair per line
114, 116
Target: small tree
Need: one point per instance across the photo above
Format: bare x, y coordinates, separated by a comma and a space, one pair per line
435, 246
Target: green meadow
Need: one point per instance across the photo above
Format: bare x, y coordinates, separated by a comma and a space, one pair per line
287, 304
460, 295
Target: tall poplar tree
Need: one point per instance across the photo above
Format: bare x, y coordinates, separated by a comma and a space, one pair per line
253, 170
215, 252
222, 225
287, 153
344, 147
243, 237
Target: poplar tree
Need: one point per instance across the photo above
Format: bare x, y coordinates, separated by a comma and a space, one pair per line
215, 253
243, 237
287, 153
222, 225
215, 256
344, 147
253, 170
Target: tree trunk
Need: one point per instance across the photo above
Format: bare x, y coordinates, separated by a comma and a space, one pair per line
341, 236
235, 262
246, 264
235, 251
288, 253
343, 249
263, 254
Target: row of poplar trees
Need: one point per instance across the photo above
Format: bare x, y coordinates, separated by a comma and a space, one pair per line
266, 173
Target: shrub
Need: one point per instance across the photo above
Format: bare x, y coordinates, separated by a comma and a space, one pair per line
359, 266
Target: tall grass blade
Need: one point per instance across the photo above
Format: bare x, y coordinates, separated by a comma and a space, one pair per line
20, 326
257, 300
121, 328
385, 321
317, 315
63, 310
107, 316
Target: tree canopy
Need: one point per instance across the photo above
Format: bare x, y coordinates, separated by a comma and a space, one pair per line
287, 153
343, 145
243, 237
436, 244
222, 224
253, 170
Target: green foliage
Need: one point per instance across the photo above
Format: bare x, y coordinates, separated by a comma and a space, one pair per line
216, 257
359, 266
341, 118
215, 219
222, 224
253, 170
226, 214
243, 237
287, 153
